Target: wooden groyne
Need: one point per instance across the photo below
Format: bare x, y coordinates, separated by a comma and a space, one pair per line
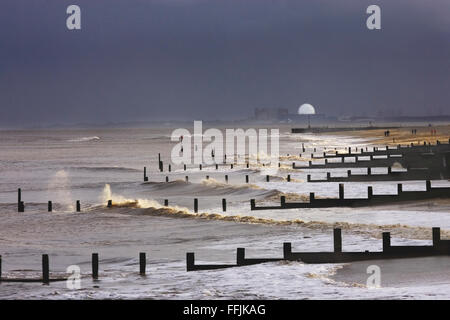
46, 276
438, 248
372, 199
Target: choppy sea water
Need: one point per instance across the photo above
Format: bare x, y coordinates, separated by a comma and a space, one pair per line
94, 166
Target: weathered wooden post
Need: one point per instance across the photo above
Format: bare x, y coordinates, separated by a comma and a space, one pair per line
267, 178
190, 261
166, 202
349, 173
369, 171
308, 178
371, 157
252, 204
328, 176
50, 206
311, 197
248, 165
95, 266
195, 205
386, 241
389, 170
200, 166
78, 205
310, 163
326, 161
224, 205
436, 236
428, 184
19, 195
337, 240
246, 178
240, 256
231, 166
226, 178
287, 250
21, 206
369, 192
207, 177
186, 178
288, 178
184, 166
217, 166
145, 174
167, 178
341, 191
45, 269
142, 263
399, 188
283, 201
109, 204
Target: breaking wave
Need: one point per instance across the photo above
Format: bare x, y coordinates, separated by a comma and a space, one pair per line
85, 139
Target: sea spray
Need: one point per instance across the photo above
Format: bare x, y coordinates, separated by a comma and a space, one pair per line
61, 183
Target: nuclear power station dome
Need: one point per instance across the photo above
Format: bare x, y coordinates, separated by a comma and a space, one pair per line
306, 109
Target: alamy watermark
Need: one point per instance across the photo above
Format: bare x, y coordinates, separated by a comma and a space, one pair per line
253, 146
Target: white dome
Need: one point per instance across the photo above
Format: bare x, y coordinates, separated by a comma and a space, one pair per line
306, 109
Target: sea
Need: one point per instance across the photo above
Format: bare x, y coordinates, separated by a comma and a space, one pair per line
99, 164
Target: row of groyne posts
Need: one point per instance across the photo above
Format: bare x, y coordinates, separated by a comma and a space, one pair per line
439, 247
46, 279
21, 203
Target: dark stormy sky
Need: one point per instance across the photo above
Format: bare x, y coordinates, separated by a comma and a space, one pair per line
219, 59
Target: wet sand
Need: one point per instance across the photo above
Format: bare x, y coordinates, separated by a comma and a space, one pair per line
403, 135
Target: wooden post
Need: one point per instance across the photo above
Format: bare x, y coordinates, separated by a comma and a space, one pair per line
0, 268
389, 170
50, 206
308, 178
436, 236
226, 178
288, 178
166, 202
328, 176
247, 165
184, 166
200, 166
231, 166
252, 204
369, 171
217, 166
224, 205
145, 174
45, 269
187, 178
246, 178
349, 173
369, 192
267, 178
341, 191
78, 205
167, 178
386, 241
95, 266
326, 161
310, 163
109, 204
287, 249
337, 240
21, 206
399, 188
142, 263
240, 256
428, 184
195, 205
19, 195
282, 201
170, 168
207, 177
190, 261
311, 197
